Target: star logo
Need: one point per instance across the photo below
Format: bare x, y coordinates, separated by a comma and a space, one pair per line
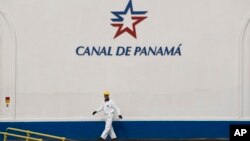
127, 20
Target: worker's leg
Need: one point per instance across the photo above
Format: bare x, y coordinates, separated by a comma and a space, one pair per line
112, 133
108, 125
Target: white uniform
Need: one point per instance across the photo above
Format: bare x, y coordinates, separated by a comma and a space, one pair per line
109, 108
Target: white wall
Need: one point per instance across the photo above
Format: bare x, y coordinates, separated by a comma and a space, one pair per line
245, 69
52, 82
7, 66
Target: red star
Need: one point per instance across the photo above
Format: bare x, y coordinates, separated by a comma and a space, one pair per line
130, 31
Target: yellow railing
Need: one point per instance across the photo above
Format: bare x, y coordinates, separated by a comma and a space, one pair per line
5, 134
36, 133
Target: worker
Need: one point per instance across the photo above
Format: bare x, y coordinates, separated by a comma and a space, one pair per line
109, 108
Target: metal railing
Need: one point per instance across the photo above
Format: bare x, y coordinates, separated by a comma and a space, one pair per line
28, 132
5, 134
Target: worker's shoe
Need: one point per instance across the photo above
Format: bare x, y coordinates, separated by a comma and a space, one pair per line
114, 139
100, 139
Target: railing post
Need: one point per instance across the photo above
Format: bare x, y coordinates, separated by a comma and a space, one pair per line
5, 137
28, 135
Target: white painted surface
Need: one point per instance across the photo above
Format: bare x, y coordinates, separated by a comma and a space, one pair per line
246, 70
7, 67
52, 82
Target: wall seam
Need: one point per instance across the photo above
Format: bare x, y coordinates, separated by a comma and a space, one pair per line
241, 69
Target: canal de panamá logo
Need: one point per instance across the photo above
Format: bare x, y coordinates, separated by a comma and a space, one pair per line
126, 21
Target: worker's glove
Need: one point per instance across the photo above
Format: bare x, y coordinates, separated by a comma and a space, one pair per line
120, 116
94, 112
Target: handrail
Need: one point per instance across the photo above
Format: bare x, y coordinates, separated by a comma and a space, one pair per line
28, 132
18, 136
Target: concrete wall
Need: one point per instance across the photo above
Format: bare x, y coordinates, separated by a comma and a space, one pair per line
7, 66
49, 81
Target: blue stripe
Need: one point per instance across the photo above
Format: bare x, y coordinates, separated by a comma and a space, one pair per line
87, 130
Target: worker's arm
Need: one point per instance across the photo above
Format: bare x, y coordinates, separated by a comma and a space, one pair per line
117, 109
98, 110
